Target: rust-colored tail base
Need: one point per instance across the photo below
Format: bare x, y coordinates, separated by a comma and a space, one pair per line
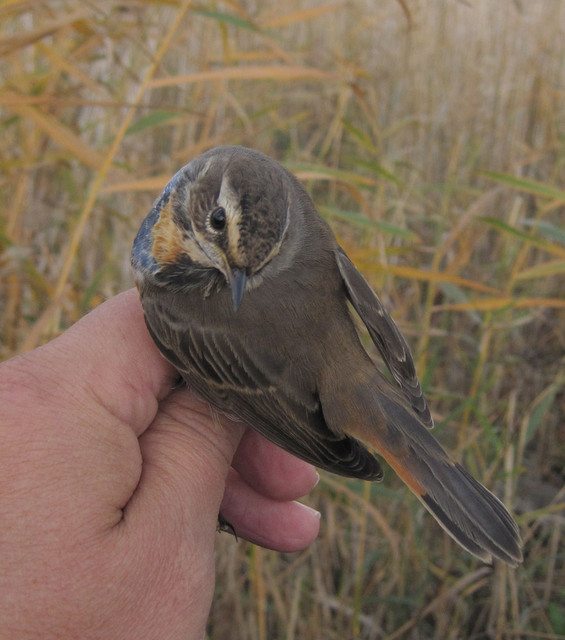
468, 511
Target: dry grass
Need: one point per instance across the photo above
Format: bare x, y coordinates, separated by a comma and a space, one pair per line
432, 135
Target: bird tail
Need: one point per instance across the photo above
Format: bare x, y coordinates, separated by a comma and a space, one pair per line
380, 418
468, 511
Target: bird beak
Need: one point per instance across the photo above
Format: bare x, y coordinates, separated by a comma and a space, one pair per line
237, 280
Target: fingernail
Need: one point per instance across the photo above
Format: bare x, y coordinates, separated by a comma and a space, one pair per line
309, 509
317, 479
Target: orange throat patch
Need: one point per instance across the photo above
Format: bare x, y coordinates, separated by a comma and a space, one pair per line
168, 239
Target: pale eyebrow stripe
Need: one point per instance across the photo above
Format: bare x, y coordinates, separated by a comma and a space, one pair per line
227, 198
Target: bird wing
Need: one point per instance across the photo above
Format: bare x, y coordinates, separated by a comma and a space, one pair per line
385, 335
223, 370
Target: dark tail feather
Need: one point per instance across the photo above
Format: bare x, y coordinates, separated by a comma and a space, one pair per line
476, 518
469, 512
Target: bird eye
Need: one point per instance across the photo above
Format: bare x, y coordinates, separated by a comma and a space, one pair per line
218, 219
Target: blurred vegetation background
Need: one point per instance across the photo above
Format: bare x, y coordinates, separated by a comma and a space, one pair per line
431, 134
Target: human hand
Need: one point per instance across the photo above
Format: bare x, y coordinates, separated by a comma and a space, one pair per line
112, 481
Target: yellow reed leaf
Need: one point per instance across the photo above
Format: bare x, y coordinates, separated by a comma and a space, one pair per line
421, 274
155, 183
300, 16
496, 304
63, 64
543, 270
62, 135
262, 72
11, 43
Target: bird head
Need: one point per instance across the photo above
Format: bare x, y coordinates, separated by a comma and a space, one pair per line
219, 221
